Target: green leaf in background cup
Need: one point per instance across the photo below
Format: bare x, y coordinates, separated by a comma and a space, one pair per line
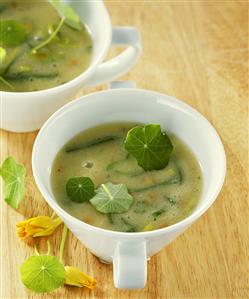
68, 13
13, 175
80, 189
150, 146
42, 273
12, 33
112, 198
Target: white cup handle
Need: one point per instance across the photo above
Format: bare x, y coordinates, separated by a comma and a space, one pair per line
130, 265
121, 64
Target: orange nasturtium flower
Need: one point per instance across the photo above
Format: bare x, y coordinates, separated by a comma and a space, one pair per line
75, 277
37, 226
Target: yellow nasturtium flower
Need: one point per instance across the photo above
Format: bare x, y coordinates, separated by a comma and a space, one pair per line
75, 277
37, 226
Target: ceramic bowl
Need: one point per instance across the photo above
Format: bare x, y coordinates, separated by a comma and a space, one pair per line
129, 251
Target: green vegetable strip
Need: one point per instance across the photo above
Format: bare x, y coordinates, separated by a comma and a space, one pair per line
51, 37
131, 227
2, 7
23, 76
110, 218
140, 207
19, 53
6, 83
170, 181
130, 174
158, 212
113, 164
91, 143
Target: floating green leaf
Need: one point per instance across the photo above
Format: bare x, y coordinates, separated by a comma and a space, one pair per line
150, 146
12, 33
112, 198
68, 13
80, 189
13, 175
42, 273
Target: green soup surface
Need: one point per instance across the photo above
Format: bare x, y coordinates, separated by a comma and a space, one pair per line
161, 197
67, 56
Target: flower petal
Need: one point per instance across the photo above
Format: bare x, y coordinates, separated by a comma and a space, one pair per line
77, 278
37, 226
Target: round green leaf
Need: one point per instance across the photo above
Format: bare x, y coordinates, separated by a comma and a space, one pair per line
111, 198
150, 146
13, 175
12, 33
42, 273
80, 189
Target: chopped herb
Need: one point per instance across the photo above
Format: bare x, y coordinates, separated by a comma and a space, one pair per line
80, 189
150, 146
13, 175
112, 198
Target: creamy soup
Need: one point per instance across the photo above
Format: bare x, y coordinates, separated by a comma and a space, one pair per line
161, 197
63, 59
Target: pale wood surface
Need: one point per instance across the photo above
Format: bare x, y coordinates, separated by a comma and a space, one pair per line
198, 52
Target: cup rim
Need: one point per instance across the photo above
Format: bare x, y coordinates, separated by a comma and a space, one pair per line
85, 74
184, 223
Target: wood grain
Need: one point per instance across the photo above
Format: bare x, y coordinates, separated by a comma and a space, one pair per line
196, 51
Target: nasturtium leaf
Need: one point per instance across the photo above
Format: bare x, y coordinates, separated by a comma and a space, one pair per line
2, 54
42, 273
80, 189
111, 198
13, 175
150, 146
67, 12
12, 33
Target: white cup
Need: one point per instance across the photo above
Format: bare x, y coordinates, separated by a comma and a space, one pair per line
27, 111
129, 251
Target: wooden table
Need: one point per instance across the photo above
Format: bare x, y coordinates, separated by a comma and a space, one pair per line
196, 51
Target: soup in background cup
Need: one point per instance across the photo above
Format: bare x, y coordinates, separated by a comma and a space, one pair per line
129, 251
27, 111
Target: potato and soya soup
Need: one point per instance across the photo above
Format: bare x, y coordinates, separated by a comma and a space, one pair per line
109, 177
